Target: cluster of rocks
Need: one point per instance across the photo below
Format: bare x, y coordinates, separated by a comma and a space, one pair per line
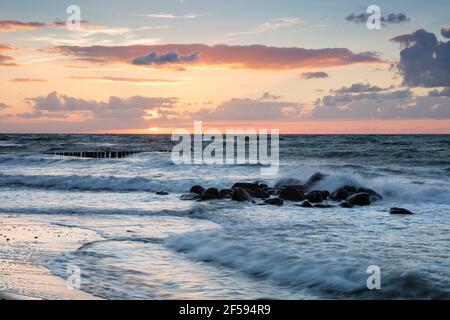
288, 190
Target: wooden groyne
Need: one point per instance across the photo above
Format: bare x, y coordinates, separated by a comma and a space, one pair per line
94, 154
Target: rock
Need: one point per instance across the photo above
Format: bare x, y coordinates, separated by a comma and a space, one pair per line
359, 199
346, 204
306, 204
250, 186
374, 195
323, 206
316, 177
226, 193
400, 211
263, 186
273, 191
162, 193
317, 196
274, 201
197, 189
284, 182
350, 189
190, 196
340, 194
260, 193
240, 194
210, 194
292, 194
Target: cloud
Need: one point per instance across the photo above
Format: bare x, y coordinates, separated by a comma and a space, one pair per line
6, 61
246, 56
250, 110
167, 58
16, 25
115, 113
127, 80
162, 15
268, 96
359, 88
391, 18
445, 32
425, 62
25, 80
442, 93
3, 106
403, 39
270, 25
314, 75
347, 104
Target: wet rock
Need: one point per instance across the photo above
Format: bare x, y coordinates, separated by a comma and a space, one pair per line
400, 211
350, 189
374, 195
263, 186
273, 191
317, 196
292, 194
284, 182
197, 189
346, 204
226, 193
261, 194
274, 201
306, 204
210, 194
323, 206
316, 177
340, 194
359, 199
250, 186
240, 194
162, 193
190, 196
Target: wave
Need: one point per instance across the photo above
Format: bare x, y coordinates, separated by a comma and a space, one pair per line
329, 276
94, 183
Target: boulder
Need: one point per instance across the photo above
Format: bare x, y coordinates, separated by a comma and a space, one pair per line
197, 189
323, 206
240, 194
250, 186
400, 211
226, 193
292, 194
350, 189
190, 196
162, 193
317, 196
374, 195
316, 177
340, 194
210, 194
359, 199
261, 194
273, 191
306, 204
284, 182
274, 201
346, 204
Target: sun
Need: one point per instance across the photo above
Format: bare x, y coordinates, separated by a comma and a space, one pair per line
153, 129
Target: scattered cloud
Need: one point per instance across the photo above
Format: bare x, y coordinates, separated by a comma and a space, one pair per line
6, 61
314, 75
154, 58
359, 88
3, 106
445, 32
270, 25
268, 96
25, 80
425, 62
163, 15
245, 56
391, 18
128, 80
440, 93
16, 25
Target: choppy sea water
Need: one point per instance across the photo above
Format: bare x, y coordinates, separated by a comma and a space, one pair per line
158, 247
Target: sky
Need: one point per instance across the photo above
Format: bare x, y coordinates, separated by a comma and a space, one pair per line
157, 65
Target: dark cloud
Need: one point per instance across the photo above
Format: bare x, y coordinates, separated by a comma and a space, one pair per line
246, 56
25, 80
445, 32
380, 104
391, 18
404, 39
3, 106
359, 88
425, 62
165, 58
314, 75
115, 113
269, 96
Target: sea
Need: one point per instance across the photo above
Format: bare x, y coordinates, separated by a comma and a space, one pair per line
156, 246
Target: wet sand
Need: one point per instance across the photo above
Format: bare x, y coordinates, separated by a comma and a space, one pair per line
25, 244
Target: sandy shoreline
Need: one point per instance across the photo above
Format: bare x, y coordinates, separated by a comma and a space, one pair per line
26, 242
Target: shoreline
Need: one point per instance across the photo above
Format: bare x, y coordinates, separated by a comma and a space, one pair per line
27, 242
